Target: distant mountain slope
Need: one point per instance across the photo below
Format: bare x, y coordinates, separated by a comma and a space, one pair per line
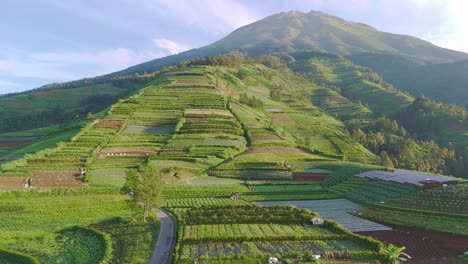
445, 82
294, 31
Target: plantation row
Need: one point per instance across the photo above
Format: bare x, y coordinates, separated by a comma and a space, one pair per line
250, 232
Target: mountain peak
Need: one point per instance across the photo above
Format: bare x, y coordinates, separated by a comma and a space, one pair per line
315, 30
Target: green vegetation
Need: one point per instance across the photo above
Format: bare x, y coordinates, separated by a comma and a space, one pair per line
253, 125
251, 233
70, 228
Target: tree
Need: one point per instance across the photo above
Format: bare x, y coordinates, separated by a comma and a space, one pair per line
145, 188
395, 255
89, 115
386, 161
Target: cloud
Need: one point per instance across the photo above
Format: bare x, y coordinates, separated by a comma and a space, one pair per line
453, 33
71, 65
212, 16
170, 46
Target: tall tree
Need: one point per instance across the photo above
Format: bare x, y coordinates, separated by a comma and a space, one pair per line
145, 188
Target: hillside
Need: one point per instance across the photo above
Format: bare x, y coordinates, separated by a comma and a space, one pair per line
261, 131
61, 103
301, 145
409, 64
444, 82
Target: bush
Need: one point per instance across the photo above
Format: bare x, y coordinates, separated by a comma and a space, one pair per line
11, 257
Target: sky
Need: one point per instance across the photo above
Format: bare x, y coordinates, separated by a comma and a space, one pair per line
45, 41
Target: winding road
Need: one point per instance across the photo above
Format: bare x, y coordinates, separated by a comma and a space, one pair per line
163, 249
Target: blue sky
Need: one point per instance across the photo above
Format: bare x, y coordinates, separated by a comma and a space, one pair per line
44, 41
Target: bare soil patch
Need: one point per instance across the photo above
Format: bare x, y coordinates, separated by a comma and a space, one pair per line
283, 119
276, 149
423, 245
13, 144
207, 112
337, 99
54, 179
13, 182
196, 119
309, 176
109, 123
457, 128
274, 110
45, 94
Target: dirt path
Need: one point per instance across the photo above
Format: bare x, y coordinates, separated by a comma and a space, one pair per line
163, 249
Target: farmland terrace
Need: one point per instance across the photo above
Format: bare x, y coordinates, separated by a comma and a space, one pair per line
225, 143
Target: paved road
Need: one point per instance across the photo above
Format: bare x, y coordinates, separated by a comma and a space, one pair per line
163, 248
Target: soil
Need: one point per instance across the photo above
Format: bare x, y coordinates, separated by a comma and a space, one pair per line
52, 179
45, 94
208, 112
283, 119
196, 119
109, 123
457, 128
13, 182
337, 99
309, 176
274, 150
14, 144
274, 110
423, 245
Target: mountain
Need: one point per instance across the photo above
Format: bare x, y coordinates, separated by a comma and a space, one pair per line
295, 31
404, 61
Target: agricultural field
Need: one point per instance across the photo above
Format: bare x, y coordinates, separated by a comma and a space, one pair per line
251, 233
72, 228
338, 210
228, 168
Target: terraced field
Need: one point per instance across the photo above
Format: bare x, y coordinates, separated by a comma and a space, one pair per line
337, 210
190, 123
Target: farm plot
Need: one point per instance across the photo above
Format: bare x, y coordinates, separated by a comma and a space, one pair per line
202, 191
243, 232
344, 171
428, 220
372, 192
408, 177
220, 233
423, 245
274, 149
38, 224
207, 112
14, 142
287, 191
159, 130
257, 252
336, 210
51, 179
450, 199
13, 182
200, 202
109, 123
257, 126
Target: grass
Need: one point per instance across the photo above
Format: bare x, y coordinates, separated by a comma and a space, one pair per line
108, 178
39, 226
